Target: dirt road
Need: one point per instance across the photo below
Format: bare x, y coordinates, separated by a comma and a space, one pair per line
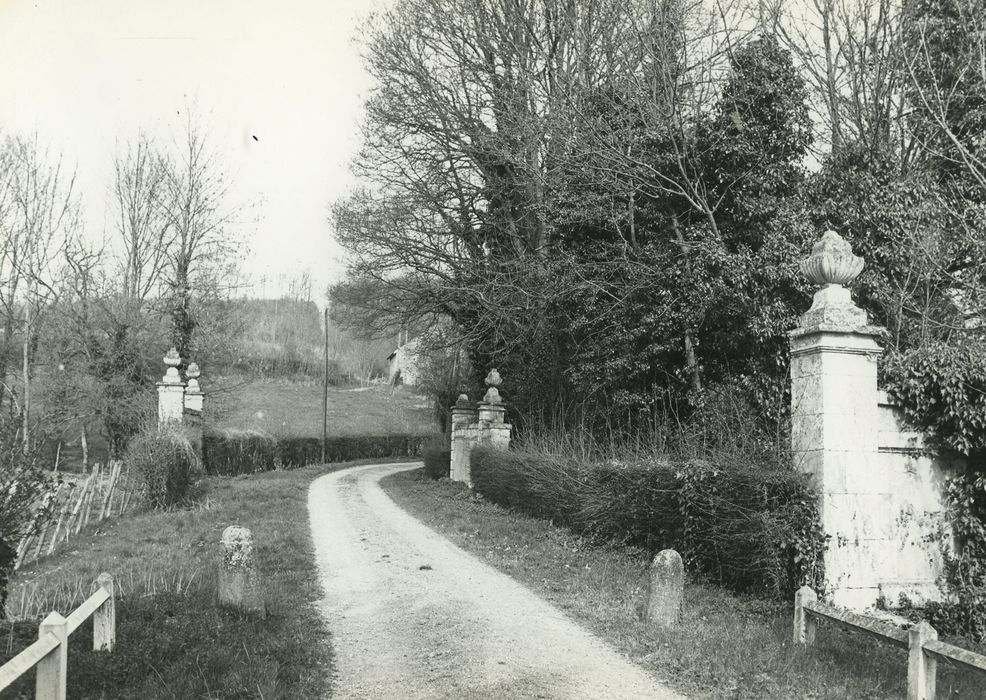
414, 616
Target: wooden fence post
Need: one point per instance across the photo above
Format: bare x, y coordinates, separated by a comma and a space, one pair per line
104, 619
52, 671
804, 625
921, 668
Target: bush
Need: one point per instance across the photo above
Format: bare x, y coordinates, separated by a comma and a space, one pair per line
748, 529
437, 456
165, 460
231, 452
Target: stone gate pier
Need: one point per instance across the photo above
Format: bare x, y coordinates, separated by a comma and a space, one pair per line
482, 425
880, 493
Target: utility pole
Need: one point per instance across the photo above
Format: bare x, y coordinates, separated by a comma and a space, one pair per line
325, 385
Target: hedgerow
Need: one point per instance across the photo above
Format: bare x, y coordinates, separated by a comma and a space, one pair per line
231, 452
436, 453
749, 529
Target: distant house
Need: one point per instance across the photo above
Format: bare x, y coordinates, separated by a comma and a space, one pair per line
403, 362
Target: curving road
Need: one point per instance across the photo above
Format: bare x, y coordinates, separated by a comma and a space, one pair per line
414, 616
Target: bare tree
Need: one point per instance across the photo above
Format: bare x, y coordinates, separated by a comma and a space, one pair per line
139, 188
42, 218
197, 210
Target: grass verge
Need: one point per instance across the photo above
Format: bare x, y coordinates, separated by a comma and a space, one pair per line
173, 640
728, 646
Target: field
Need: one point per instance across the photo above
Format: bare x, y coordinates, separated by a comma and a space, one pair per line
295, 408
284, 407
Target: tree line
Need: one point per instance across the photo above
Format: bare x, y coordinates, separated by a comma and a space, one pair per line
610, 199
85, 318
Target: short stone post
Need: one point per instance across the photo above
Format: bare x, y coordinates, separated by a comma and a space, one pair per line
666, 591
464, 435
804, 624
194, 397
239, 581
170, 392
922, 668
834, 424
104, 619
52, 671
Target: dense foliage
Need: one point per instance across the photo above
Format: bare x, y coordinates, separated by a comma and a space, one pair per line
744, 527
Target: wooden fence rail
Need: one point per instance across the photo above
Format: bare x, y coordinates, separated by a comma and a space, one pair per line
49, 655
921, 641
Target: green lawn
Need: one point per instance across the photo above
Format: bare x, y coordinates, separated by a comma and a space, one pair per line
295, 408
728, 646
173, 639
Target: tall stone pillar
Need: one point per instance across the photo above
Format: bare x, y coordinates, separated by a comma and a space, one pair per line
834, 424
170, 392
464, 434
194, 397
471, 427
492, 429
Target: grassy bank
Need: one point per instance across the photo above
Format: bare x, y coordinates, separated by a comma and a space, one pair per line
727, 646
173, 641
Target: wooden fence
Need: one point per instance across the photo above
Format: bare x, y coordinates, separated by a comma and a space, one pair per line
75, 501
49, 655
921, 641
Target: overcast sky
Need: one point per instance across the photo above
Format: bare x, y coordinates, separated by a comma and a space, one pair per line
87, 75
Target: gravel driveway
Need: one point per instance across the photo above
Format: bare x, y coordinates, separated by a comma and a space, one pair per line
414, 616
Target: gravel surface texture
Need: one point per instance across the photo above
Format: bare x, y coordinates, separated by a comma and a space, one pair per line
414, 616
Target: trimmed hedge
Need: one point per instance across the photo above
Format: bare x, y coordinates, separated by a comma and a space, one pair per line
437, 456
232, 452
747, 529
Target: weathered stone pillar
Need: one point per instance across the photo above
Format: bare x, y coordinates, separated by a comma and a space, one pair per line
170, 392
471, 427
492, 430
239, 581
464, 434
834, 427
194, 398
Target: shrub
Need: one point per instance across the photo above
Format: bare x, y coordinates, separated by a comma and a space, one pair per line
165, 461
751, 530
230, 452
437, 456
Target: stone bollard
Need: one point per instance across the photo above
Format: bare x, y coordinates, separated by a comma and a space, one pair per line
666, 590
239, 580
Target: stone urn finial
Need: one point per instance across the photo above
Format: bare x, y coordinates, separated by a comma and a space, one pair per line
493, 380
831, 261
462, 401
172, 359
192, 371
832, 265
